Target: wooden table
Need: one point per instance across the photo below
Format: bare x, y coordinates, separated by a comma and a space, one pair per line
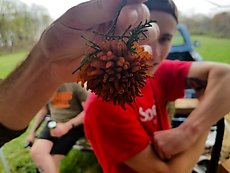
185, 105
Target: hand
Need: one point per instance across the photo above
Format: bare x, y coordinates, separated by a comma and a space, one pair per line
60, 130
29, 141
30, 138
62, 44
170, 142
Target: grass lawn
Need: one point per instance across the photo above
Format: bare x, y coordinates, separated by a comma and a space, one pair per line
9, 62
214, 49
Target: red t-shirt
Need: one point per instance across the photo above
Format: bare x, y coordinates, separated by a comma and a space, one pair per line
116, 134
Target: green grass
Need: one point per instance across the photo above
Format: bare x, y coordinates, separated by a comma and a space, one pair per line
9, 62
214, 49
20, 161
18, 158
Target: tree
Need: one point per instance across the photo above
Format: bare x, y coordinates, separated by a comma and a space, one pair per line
221, 24
20, 25
218, 25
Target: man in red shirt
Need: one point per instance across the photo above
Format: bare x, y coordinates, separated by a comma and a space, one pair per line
117, 134
124, 141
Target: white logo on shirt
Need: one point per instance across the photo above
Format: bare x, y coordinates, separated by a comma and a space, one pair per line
148, 114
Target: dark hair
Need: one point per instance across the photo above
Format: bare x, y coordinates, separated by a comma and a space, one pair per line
167, 6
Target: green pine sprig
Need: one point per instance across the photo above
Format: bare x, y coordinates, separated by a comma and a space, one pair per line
128, 39
136, 32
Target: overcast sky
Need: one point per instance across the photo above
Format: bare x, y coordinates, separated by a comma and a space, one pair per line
58, 7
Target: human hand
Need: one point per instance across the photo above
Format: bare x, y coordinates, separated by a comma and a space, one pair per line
60, 130
62, 43
168, 143
29, 140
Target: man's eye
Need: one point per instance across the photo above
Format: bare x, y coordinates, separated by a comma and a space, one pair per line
163, 40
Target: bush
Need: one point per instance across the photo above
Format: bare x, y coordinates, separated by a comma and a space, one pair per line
80, 162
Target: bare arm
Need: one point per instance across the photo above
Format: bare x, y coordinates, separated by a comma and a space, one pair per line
56, 55
148, 162
63, 128
78, 120
38, 119
198, 85
211, 81
215, 102
25, 90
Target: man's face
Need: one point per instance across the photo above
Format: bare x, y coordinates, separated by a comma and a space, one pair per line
161, 47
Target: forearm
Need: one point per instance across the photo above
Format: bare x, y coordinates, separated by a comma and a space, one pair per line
34, 128
180, 163
25, 91
185, 161
79, 119
214, 104
39, 118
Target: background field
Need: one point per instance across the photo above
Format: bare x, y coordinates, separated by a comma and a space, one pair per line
18, 158
9, 61
212, 49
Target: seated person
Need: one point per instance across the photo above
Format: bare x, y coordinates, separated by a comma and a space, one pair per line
62, 131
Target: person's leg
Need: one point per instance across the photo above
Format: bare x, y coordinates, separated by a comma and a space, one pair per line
57, 158
58, 152
40, 153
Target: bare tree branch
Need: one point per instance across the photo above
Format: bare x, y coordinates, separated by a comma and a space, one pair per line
218, 5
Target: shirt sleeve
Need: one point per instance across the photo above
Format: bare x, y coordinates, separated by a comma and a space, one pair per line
172, 78
80, 92
115, 134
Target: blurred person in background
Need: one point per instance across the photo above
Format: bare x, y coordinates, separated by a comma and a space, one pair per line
62, 130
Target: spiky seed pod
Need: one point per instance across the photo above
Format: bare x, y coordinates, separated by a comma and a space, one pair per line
115, 73
116, 69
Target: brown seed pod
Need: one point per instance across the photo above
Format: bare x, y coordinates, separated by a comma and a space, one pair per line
116, 68
115, 73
